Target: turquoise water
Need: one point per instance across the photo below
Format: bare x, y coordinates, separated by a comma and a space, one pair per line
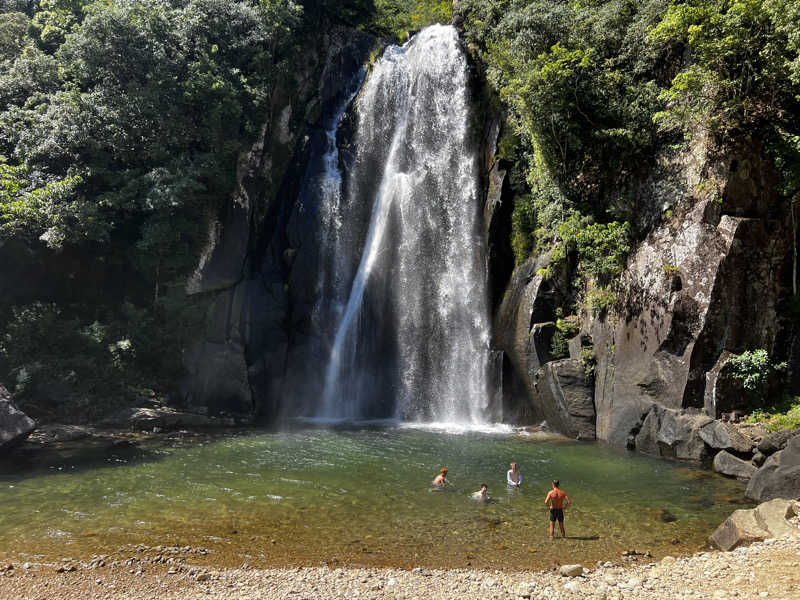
357, 496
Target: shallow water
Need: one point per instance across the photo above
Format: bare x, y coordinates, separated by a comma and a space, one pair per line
357, 496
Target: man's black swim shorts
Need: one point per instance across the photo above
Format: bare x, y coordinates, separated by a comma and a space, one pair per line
557, 514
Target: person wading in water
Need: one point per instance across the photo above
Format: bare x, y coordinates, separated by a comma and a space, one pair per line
557, 500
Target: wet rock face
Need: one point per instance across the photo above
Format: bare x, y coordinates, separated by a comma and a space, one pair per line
15, 425
523, 331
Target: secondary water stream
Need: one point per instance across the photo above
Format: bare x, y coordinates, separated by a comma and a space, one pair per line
355, 496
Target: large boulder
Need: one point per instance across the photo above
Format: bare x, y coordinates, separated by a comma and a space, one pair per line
673, 434
725, 436
15, 425
565, 398
768, 520
727, 464
777, 440
779, 476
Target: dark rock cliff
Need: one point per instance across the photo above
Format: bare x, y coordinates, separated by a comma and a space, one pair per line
257, 268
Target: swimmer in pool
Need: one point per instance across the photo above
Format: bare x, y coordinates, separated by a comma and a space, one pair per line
439, 481
482, 495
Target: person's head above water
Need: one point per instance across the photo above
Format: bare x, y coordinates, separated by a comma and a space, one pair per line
443, 471
513, 466
484, 487
555, 483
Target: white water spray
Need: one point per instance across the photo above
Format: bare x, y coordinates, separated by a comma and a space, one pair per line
414, 331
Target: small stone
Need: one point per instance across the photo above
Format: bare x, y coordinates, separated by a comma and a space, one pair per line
571, 570
27, 566
391, 582
172, 571
203, 577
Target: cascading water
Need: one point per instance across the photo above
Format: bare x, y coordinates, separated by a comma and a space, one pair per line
412, 336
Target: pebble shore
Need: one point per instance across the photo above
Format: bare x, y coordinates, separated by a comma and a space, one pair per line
769, 569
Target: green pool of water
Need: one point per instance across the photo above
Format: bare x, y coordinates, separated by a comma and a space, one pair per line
356, 496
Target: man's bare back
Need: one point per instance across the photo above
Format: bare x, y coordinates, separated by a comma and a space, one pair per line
557, 500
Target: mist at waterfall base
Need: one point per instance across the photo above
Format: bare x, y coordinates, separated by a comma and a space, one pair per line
403, 276
353, 496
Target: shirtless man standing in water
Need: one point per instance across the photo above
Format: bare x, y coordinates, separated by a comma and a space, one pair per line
557, 500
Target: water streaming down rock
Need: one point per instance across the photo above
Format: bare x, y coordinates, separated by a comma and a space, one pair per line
412, 338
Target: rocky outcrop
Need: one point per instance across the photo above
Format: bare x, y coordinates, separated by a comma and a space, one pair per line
671, 433
524, 326
727, 464
768, 520
15, 425
779, 476
687, 295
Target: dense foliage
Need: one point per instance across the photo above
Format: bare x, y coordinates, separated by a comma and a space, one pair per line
121, 123
597, 88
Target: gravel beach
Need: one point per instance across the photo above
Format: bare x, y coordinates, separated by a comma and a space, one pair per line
769, 569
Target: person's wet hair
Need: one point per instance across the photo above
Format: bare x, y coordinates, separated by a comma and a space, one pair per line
555, 482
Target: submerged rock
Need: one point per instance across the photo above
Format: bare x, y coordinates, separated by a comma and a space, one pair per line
15, 425
164, 418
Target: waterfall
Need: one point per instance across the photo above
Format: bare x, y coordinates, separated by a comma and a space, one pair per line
412, 335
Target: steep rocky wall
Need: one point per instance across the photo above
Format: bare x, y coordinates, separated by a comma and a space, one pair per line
705, 283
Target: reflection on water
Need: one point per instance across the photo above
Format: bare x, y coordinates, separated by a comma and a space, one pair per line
359, 496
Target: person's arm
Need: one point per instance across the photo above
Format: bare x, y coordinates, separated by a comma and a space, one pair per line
568, 501
519, 476
547, 499
509, 481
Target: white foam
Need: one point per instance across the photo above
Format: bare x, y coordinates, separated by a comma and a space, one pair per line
461, 428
